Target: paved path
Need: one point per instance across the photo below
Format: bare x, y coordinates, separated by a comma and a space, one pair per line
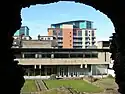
40, 85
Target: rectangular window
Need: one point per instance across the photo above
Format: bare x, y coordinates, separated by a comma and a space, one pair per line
89, 24
74, 33
86, 33
93, 33
60, 33
54, 32
79, 33
48, 38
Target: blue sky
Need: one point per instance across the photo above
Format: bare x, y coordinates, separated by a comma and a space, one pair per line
38, 18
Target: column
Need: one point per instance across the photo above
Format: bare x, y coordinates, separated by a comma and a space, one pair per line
40, 69
36, 55
81, 66
23, 55
52, 55
69, 54
34, 69
91, 69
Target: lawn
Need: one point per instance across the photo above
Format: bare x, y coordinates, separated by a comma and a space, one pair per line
29, 86
106, 83
79, 85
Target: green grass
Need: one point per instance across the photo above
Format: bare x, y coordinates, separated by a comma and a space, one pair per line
29, 86
79, 85
54, 91
106, 83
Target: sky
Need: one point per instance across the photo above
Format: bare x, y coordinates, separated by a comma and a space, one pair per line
39, 17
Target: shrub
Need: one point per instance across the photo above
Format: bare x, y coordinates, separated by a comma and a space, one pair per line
53, 77
110, 76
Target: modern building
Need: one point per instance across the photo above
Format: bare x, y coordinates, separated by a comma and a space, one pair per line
103, 44
24, 30
46, 37
66, 62
74, 34
28, 42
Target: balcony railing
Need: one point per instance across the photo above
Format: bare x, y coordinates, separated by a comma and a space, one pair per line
77, 44
59, 44
77, 40
73, 61
59, 40
77, 36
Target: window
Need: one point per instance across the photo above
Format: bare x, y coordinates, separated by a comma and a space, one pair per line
93, 43
105, 43
79, 33
89, 24
48, 38
86, 33
87, 38
54, 32
74, 33
92, 33
91, 55
60, 33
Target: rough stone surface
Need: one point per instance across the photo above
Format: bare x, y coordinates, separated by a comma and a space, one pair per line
12, 73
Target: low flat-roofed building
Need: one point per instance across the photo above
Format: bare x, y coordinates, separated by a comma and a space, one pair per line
63, 62
103, 44
28, 42
36, 44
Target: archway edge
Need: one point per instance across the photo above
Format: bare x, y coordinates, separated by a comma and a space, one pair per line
101, 5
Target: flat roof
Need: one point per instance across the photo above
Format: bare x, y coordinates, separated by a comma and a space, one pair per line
71, 21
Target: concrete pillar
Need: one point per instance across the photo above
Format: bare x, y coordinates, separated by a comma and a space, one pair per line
52, 55
45, 71
69, 54
81, 66
91, 69
23, 56
36, 55
28, 72
83, 55
34, 66
85, 65
34, 69
40, 69
39, 55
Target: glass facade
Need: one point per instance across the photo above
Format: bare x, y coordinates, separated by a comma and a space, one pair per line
17, 33
81, 29
89, 24
82, 25
60, 33
23, 30
74, 32
79, 33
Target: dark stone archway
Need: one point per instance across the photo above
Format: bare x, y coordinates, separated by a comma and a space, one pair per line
13, 74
